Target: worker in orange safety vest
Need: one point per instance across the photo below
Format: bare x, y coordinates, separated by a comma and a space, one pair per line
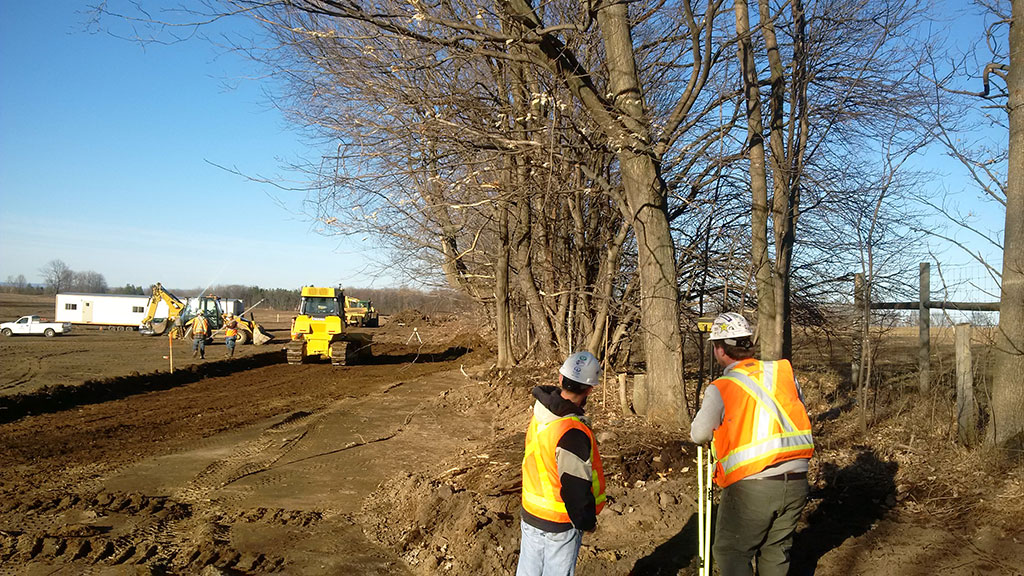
563, 481
230, 333
756, 417
200, 330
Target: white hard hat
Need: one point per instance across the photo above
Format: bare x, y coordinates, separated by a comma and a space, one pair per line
582, 367
730, 326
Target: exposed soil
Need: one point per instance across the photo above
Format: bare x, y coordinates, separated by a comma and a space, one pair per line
410, 465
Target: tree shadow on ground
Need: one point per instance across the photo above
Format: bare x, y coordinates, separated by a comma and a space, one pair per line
846, 502
673, 555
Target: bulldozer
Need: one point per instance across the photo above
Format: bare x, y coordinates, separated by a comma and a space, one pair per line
360, 313
318, 331
179, 313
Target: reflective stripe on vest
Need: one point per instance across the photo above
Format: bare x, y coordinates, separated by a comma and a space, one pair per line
200, 325
541, 484
765, 422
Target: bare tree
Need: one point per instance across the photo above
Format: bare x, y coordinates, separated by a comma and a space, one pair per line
593, 74
961, 111
57, 275
810, 109
17, 284
1007, 424
88, 281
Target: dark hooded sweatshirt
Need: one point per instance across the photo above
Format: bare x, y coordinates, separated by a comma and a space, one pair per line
573, 460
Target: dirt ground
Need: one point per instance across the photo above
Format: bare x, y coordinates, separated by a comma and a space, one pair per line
409, 464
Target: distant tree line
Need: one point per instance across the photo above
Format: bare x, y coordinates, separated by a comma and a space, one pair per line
59, 277
385, 300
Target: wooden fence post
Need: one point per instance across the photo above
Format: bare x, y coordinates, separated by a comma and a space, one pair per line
623, 399
966, 407
640, 394
924, 322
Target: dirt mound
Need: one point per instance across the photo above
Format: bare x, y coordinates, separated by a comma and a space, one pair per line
413, 317
62, 397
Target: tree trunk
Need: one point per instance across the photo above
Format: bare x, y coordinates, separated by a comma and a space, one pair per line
1006, 427
503, 322
771, 345
609, 269
645, 197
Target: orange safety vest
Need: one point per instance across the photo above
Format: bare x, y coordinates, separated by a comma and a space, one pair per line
231, 331
200, 326
765, 422
541, 485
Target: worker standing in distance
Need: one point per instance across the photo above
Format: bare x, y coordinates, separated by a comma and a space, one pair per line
230, 333
200, 329
563, 481
762, 437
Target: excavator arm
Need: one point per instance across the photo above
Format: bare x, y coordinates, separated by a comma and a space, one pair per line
150, 327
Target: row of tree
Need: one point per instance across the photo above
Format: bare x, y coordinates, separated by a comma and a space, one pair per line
598, 170
59, 277
385, 300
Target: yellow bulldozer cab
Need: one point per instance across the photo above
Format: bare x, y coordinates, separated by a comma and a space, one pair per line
319, 329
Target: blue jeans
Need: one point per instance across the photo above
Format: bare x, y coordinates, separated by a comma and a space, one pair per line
230, 343
200, 343
548, 553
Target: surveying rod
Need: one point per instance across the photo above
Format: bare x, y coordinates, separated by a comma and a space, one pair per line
705, 495
709, 496
700, 509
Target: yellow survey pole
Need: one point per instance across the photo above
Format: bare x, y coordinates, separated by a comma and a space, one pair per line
170, 350
705, 472
700, 509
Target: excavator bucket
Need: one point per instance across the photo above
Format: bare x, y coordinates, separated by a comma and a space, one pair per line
154, 328
260, 336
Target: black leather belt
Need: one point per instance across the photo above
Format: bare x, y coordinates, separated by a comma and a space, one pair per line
786, 476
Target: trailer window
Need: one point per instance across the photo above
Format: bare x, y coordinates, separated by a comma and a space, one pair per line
71, 306
138, 309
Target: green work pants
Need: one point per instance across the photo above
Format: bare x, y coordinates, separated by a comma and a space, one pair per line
758, 518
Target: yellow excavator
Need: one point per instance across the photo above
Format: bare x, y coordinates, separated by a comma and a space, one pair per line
179, 314
318, 331
360, 313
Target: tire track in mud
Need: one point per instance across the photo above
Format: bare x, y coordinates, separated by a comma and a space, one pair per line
34, 367
181, 532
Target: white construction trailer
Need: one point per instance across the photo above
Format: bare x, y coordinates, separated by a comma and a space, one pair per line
118, 311
232, 306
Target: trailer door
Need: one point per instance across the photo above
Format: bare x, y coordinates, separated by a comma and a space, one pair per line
87, 311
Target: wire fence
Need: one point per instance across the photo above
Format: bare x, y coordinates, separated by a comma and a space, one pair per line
973, 282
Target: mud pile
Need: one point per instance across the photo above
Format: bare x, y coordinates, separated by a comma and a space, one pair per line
461, 516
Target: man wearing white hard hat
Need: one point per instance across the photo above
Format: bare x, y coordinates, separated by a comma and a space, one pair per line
563, 481
756, 418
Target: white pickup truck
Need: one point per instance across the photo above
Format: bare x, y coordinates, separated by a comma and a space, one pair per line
32, 325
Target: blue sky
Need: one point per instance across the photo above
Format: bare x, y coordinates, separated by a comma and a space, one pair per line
106, 153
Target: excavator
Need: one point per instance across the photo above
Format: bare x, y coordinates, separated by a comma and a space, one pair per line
360, 313
180, 313
318, 331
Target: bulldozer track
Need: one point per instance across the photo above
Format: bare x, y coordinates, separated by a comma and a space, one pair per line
294, 351
339, 353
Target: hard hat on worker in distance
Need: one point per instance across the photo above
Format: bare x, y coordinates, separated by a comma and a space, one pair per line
582, 367
730, 326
